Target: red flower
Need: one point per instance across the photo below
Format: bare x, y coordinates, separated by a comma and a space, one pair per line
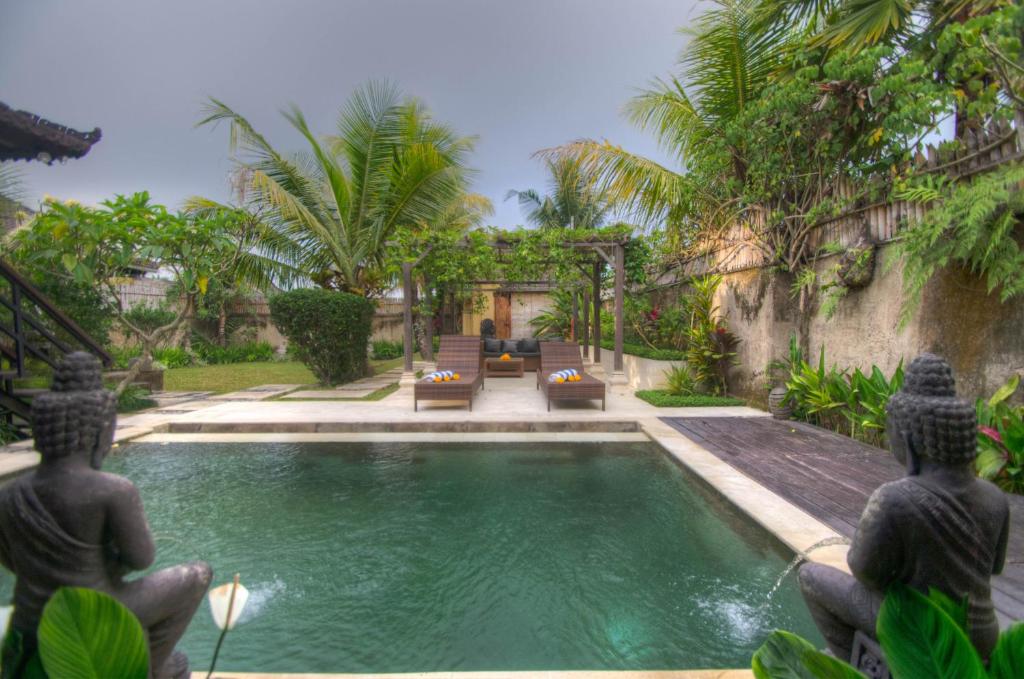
991, 433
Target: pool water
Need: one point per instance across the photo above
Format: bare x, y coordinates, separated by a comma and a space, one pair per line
431, 557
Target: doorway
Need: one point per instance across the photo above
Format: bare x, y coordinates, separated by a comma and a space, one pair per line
503, 314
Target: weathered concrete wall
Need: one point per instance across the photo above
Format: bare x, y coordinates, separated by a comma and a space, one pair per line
982, 338
641, 373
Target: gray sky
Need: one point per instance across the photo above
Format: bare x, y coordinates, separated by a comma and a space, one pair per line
521, 75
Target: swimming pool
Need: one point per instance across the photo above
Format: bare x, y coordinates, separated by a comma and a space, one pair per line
389, 557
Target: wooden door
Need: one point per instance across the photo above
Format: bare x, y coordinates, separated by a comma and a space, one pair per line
503, 314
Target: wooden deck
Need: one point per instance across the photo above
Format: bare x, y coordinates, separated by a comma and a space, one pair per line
830, 477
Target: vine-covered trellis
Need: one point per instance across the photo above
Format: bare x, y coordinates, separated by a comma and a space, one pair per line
574, 259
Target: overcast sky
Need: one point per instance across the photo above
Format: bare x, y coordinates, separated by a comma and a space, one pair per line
521, 74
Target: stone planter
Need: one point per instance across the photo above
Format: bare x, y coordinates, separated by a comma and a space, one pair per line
776, 407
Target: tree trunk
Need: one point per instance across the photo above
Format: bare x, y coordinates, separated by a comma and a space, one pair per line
804, 322
222, 325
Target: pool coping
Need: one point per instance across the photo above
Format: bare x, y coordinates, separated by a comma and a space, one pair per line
532, 674
398, 437
792, 526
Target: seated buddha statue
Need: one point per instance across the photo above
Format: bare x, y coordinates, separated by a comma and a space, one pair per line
69, 524
939, 526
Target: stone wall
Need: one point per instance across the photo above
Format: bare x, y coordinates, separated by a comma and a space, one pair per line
982, 338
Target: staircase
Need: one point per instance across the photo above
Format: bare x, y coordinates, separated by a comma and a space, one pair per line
32, 332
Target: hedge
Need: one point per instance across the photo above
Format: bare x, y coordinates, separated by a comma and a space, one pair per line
386, 349
328, 331
644, 351
662, 399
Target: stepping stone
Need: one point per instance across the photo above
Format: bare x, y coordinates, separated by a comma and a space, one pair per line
328, 394
259, 393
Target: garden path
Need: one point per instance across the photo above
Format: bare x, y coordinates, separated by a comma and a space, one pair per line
830, 477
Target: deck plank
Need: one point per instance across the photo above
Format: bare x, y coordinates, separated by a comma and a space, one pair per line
830, 477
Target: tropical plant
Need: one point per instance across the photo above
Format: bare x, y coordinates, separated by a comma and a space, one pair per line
331, 211
818, 394
10, 191
851, 403
1001, 439
679, 381
921, 636
382, 350
868, 396
556, 320
727, 62
710, 349
975, 223
780, 369
328, 331
574, 199
82, 633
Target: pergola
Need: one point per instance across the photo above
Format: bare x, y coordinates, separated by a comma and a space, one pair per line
612, 253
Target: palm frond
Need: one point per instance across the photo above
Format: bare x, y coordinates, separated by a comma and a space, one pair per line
649, 190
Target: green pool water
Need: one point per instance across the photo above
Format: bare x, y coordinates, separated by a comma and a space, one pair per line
431, 557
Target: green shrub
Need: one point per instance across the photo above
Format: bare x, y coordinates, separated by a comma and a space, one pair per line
383, 350
679, 381
644, 351
663, 399
173, 357
848, 403
1001, 439
248, 352
123, 355
328, 330
84, 303
134, 398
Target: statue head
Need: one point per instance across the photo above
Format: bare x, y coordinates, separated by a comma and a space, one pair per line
926, 420
77, 416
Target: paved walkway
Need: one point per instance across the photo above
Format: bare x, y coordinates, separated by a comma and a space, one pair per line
358, 389
830, 477
504, 399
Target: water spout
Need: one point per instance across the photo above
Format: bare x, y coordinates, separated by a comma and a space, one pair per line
799, 558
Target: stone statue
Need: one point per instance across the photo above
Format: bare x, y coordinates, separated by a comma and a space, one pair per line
939, 526
69, 524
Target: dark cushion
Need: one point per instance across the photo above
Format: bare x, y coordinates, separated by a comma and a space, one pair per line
509, 346
492, 346
529, 346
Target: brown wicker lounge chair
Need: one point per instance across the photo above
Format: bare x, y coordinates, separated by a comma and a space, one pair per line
555, 356
459, 354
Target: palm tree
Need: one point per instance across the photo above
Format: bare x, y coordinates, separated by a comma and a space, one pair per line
855, 24
574, 199
10, 192
726, 64
331, 210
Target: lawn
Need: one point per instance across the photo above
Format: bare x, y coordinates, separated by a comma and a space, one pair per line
236, 376
663, 399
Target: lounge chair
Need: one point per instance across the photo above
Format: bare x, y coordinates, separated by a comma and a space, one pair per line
555, 356
459, 354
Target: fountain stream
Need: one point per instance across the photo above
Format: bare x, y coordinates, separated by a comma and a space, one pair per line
799, 558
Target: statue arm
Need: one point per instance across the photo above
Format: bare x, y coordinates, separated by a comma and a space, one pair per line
129, 530
876, 553
1004, 539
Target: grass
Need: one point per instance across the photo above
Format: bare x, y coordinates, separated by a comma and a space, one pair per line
229, 377
663, 399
